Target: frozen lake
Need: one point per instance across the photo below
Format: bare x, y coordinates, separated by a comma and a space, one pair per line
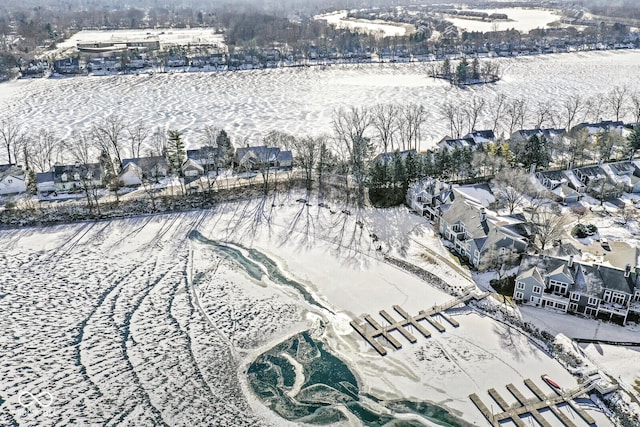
249, 104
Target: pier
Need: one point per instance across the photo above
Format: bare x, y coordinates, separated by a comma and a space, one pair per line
371, 330
532, 406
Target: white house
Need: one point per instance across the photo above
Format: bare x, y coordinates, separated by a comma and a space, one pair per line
12, 180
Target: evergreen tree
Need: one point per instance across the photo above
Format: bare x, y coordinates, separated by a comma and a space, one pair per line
176, 151
475, 69
634, 138
461, 71
32, 183
414, 166
399, 169
379, 175
446, 69
225, 149
535, 151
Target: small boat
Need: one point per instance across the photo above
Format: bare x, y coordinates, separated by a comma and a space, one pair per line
551, 383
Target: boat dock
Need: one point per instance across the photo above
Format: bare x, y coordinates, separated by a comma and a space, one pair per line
532, 406
371, 330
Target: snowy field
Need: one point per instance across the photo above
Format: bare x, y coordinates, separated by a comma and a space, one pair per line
250, 104
143, 321
523, 20
383, 28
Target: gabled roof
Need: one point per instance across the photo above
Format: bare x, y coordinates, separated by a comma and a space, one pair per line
481, 136
533, 273
285, 156
92, 170
44, 177
14, 172
262, 154
146, 164
203, 153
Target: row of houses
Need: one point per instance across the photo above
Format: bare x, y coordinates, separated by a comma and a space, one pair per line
136, 171
463, 219
487, 239
569, 286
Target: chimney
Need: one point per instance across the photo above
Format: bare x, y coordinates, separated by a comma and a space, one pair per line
570, 263
627, 270
483, 215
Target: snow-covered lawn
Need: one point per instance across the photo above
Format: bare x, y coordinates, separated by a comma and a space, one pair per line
384, 28
301, 100
520, 19
137, 321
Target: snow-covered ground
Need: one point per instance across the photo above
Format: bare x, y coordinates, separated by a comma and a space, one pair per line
144, 321
300, 100
384, 28
520, 19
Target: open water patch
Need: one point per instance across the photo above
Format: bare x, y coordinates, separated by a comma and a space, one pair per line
257, 265
328, 388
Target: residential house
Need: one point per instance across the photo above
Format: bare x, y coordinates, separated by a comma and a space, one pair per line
45, 184
550, 134
562, 184
12, 180
481, 137
626, 174
137, 170
67, 66
450, 144
69, 178
603, 126
427, 196
254, 158
191, 169
597, 182
575, 287
480, 235
206, 157
284, 159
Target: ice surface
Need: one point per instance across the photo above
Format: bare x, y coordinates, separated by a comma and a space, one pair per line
301, 100
132, 322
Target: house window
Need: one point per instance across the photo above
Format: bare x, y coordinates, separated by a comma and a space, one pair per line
63, 177
573, 306
575, 296
537, 289
520, 285
9, 181
618, 299
593, 300
518, 295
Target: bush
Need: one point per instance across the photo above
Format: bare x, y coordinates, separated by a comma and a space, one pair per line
386, 197
584, 230
504, 286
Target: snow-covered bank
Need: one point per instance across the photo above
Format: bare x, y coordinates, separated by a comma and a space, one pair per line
135, 322
300, 100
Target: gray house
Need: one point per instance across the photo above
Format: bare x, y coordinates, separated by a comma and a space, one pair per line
480, 235
573, 287
562, 184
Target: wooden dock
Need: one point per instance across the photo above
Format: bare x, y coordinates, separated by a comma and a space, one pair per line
371, 330
533, 406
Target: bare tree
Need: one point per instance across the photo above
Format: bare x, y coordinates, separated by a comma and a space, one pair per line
456, 117
385, 121
138, 133
548, 225
306, 156
473, 110
635, 104
412, 117
516, 114
544, 114
12, 136
82, 150
43, 150
497, 112
512, 185
108, 134
159, 145
571, 107
593, 108
616, 100
350, 127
